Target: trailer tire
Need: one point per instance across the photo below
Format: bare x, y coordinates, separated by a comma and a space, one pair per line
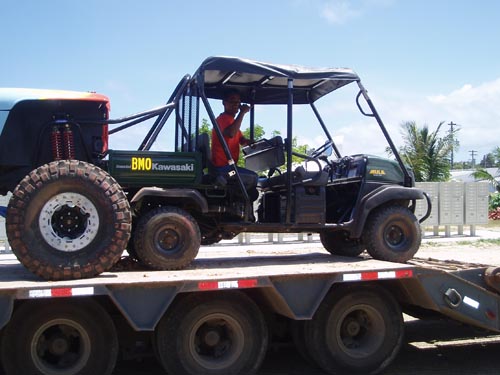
60, 337
392, 234
68, 220
212, 334
299, 330
167, 238
337, 243
355, 330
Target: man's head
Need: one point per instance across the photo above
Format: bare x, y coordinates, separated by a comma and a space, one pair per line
231, 102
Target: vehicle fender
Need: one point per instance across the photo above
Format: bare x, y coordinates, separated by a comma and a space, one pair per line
191, 195
377, 198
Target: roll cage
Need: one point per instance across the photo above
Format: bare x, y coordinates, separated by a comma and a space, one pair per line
258, 84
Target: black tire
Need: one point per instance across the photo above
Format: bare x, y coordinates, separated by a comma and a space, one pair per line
355, 330
212, 333
68, 220
393, 234
299, 330
60, 338
337, 243
167, 238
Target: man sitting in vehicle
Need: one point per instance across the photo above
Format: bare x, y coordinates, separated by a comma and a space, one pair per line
230, 122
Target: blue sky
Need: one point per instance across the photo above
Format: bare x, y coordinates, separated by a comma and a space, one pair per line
428, 61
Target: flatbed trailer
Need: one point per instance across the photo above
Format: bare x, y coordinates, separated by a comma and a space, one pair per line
218, 316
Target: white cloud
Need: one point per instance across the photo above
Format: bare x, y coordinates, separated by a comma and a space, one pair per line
339, 12
474, 108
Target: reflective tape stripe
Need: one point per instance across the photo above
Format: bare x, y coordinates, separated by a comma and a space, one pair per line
61, 292
399, 274
230, 284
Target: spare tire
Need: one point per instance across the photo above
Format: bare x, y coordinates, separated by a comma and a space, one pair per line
68, 220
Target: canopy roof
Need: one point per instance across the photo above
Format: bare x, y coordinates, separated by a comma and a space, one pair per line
264, 83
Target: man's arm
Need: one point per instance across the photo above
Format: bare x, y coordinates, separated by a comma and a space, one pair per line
233, 129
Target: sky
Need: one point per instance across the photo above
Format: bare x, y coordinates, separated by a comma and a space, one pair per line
427, 61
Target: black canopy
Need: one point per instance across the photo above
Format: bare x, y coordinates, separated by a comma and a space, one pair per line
264, 83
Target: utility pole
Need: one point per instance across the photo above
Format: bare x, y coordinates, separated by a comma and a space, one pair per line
452, 124
472, 155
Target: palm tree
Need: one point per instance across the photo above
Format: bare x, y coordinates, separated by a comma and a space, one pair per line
482, 174
426, 152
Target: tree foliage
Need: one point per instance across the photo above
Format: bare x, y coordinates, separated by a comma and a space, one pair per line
426, 152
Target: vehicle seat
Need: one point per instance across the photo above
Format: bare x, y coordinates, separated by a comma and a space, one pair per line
203, 146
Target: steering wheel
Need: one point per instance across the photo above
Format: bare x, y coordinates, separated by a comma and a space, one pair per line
316, 153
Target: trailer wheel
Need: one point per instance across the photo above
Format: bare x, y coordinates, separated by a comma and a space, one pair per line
393, 234
60, 337
167, 238
212, 334
338, 243
355, 330
68, 220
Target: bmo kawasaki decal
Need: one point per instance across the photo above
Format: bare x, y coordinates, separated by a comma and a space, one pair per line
148, 164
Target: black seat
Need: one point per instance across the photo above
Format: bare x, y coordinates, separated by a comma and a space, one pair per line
202, 145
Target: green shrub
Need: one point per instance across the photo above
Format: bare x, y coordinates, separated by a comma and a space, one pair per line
494, 201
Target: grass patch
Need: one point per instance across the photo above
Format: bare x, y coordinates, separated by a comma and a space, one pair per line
480, 242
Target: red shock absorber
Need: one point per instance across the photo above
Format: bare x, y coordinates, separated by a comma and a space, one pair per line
56, 142
69, 142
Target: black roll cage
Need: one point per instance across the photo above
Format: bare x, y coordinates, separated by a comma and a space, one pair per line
195, 89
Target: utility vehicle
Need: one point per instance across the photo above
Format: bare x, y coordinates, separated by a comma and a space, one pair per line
73, 213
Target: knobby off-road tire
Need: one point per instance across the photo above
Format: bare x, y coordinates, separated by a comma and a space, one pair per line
393, 234
212, 333
355, 331
60, 338
337, 243
68, 220
167, 238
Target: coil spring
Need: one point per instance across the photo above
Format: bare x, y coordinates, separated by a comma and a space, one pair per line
69, 142
56, 143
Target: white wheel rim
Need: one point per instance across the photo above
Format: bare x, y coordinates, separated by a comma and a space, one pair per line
82, 225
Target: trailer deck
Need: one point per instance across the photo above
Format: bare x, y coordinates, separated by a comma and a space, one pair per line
219, 265
291, 281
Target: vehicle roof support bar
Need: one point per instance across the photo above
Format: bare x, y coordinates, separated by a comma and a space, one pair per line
161, 120
289, 135
408, 179
226, 150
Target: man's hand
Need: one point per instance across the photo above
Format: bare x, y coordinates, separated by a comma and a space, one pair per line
244, 108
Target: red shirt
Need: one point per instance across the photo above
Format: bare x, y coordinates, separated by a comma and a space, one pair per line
218, 157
